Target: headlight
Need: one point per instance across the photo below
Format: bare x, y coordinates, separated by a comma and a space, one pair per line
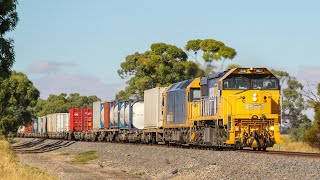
254, 99
254, 94
271, 128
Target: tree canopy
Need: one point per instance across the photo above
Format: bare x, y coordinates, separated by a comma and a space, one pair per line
62, 103
18, 97
212, 50
232, 66
8, 21
162, 65
293, 103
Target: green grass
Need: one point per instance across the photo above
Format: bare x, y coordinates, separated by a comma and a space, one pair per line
85, 157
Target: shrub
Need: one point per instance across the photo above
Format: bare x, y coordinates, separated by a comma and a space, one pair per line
297, 134
312, 136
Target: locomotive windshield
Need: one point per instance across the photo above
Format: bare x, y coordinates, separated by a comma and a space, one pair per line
251, 81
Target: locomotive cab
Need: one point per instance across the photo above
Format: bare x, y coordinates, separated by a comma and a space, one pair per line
251, 103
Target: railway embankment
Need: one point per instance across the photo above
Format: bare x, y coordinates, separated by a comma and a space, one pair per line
11, 168
129, 161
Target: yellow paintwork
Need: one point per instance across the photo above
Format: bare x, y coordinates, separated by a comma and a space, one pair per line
243, 110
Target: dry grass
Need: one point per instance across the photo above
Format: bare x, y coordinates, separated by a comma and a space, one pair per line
11, 169
289, 145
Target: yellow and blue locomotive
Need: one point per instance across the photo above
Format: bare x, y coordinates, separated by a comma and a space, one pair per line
237, 108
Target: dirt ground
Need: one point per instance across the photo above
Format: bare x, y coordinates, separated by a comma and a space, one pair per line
62, 167
128, 161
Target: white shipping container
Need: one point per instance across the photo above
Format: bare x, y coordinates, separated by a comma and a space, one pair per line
21, 129
96, 115
138, 115
153, 107
122, 113
42, 124
127, 116
51, 123
63, 120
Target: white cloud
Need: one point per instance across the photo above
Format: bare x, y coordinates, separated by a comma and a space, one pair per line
77, 83
47, 67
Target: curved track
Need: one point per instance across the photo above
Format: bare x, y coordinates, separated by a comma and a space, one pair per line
40, 146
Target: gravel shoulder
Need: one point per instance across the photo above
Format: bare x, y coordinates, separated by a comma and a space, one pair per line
126, 161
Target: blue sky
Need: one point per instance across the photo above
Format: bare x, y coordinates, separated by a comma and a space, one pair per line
77, 45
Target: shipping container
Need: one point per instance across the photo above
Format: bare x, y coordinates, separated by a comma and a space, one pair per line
137, 115
112, 114
35, 126
134, 115
63, 120
81, 119
153, 107
102, 115
96, 115
51, 123
28, 128
21, 129
42, 127
116, 114
122, 108
106, 113
128, 123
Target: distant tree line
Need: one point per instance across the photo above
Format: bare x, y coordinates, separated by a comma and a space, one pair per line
62, 103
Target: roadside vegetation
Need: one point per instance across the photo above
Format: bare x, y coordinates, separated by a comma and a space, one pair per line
295, 146
85, 157
11, 169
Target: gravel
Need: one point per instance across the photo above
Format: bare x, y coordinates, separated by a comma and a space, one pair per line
160, 162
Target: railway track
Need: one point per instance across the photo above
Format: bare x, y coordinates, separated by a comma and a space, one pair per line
283, 153
32, 143
40, 146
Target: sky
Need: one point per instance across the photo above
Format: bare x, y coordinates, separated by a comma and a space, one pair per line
78, 46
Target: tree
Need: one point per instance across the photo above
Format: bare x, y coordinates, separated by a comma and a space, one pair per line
281, 75
162, 65
8, 21
62, 103
18, 97
232, 66
312, 136
212, 50
293, 103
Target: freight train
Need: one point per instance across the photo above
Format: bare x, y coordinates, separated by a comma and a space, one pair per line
235, 108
